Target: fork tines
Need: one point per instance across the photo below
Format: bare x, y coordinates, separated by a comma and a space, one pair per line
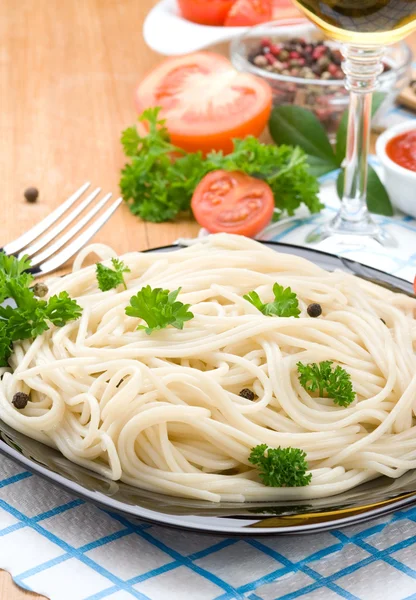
46, 258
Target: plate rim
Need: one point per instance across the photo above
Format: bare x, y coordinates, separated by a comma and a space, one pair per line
190, 523
180, 522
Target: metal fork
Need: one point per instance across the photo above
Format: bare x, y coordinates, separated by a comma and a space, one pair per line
51, 258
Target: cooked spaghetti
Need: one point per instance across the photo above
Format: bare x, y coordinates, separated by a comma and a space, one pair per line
164, 412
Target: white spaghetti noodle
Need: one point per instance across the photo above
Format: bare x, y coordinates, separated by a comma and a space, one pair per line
163, 412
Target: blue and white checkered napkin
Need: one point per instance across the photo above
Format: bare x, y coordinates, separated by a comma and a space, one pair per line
66, 549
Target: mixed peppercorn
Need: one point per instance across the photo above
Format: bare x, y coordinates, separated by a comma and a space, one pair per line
31, 194
299, 58
20, 400
314, 310
247, 394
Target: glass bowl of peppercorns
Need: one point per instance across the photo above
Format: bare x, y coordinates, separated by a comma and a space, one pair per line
303, 68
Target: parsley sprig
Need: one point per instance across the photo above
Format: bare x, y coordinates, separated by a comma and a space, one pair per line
108, 278
335, 384
30, 317
160, 179
159, 308
13, 271
281, 467
285, 303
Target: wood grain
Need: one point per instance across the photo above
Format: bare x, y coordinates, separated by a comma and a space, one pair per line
67, 75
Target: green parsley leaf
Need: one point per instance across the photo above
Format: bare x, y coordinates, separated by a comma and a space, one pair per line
336, 384
159, 308
61, 309
285, 302
111, 278
31, 316
12, 267
13, 270
23, 324
158, 187
281, 467
130, 141
5, 345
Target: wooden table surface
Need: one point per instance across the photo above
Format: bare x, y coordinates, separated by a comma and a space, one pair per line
67, 75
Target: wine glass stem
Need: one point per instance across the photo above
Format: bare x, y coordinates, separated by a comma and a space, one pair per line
355, 176
361, 68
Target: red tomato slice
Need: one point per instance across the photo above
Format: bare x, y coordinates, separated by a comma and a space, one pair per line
205, 12
232, 202
205, 101
245, 13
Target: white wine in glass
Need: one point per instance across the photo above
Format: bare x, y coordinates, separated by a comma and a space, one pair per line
364, 27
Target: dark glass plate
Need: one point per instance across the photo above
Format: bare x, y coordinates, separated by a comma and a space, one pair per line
365, 502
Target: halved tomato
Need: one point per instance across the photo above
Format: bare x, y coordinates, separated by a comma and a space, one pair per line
205, 101
205, 12
245, 13
232, 202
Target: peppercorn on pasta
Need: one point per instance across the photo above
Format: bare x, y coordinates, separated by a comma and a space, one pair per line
179, 411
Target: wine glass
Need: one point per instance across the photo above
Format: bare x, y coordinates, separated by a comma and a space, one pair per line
364, 27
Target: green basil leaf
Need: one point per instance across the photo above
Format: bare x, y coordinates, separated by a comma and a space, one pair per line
341, 143
340, 184
378, 200
319, 166
296, 126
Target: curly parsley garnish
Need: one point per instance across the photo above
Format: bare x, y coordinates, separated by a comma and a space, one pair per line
111, 278
159, 308
158, 187
281, 467
13, 270
285, 303
30, 317
335, 384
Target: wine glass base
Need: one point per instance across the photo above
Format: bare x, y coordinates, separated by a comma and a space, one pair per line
351, 233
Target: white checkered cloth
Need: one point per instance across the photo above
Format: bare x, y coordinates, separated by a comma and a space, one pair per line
66, 549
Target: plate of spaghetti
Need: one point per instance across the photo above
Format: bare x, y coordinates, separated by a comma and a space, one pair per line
225, 385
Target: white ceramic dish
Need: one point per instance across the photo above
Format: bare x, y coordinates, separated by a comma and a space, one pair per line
400, 182
166, 32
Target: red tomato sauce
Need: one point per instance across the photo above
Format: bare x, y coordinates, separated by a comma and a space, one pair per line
402, 150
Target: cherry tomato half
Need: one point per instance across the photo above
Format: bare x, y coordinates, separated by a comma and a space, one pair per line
232, 202
205, 12
205, 101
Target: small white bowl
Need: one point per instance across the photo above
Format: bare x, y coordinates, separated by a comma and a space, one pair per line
400, 182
